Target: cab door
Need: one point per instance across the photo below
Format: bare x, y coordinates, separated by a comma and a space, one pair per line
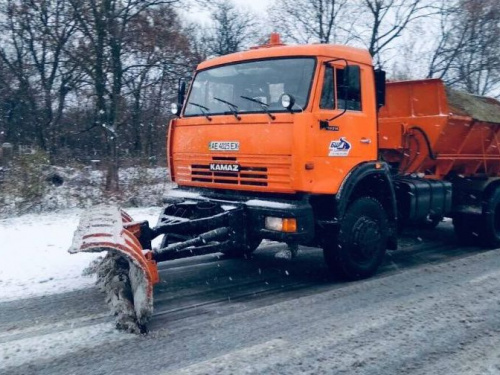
345, 133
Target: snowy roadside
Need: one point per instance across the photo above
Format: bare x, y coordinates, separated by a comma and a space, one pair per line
54, 188
34, 257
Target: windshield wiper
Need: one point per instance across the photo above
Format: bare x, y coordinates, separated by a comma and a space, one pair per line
232, 107
204, 110
264, 106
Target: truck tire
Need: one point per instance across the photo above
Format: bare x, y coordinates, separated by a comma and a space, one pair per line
361, 242
490, 223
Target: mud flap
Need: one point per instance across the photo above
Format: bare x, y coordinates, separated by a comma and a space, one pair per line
127, 273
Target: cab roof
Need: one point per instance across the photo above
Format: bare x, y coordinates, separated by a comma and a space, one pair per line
353, 54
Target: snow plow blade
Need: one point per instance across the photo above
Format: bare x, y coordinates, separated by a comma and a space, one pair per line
127, 273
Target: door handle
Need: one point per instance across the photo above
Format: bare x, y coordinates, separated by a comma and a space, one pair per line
365, 140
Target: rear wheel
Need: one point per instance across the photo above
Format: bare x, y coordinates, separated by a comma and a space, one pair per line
361, 242
490, 223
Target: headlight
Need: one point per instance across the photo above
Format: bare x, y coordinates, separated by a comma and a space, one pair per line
279, 224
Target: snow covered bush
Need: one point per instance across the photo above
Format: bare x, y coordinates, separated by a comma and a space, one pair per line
30, 184
23, 180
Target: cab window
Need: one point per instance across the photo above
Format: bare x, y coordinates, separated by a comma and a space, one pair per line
327, 93
351, 98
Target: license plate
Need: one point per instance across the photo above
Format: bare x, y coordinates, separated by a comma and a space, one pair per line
224, 146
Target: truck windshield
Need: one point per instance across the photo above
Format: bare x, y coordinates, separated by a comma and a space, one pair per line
262, 80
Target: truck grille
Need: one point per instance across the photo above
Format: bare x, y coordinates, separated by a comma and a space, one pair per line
253, 176
254, 171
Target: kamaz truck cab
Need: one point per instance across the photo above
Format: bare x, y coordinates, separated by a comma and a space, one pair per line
284, 137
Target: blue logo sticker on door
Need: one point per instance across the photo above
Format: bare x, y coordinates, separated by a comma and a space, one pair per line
339, 147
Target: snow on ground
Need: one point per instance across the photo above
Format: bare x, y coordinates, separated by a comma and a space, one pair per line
33, 253
37, 348
80, 188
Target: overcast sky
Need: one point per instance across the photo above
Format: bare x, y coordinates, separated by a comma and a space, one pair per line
202, 15
256, 5
410, 49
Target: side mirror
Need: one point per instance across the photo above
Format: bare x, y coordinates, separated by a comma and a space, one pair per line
352, 78
380, 87
176, 108
181, 92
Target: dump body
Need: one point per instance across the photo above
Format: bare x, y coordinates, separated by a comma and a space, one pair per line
428, 128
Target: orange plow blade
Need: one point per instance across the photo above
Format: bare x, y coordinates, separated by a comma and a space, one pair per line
127, 273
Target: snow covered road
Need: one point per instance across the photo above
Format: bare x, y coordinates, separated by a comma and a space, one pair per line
433, 308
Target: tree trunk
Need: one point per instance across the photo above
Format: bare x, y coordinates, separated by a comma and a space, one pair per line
112, 167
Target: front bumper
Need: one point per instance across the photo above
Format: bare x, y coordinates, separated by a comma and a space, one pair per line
255, 209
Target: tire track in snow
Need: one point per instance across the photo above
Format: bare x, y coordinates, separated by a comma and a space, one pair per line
24, 351
447, 323
43, 329
185, 298
172, 305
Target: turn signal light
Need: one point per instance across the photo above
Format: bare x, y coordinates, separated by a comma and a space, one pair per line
289, 225
279, 224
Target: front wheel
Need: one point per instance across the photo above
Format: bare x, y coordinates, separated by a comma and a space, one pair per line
361, 242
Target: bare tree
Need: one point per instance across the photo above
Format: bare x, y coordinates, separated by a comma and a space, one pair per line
467, 53
232, 29
106, 27
38, 31
91, 79
449, 42
376, 24
9, 104
312, 21
160, 49
388, 19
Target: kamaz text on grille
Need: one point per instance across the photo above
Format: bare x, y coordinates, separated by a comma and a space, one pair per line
224, 167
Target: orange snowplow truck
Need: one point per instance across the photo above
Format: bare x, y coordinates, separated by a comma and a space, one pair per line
309, 145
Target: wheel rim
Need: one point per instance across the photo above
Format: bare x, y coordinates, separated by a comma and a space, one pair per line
366, 240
